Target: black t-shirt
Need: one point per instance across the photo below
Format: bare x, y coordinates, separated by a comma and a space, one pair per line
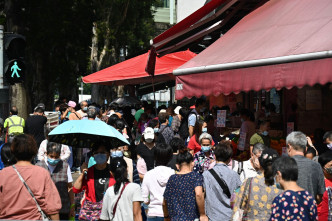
172, 163
34, 126
147, 154
102, 178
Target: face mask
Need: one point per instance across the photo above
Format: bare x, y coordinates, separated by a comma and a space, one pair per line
242, 120
206, 149
117, 153
204, 130
149, 140
329, 170
156, 130
277, 184
265, 133
100, 158
53, 162
255, 162
329, 146
85, 109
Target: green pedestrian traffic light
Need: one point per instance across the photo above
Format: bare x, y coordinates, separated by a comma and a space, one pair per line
14, 65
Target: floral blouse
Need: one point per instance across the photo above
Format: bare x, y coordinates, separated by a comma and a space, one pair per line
202, 162
292, 205
259, 196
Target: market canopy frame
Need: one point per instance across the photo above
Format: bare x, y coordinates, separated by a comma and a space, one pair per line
132, 71
282, 44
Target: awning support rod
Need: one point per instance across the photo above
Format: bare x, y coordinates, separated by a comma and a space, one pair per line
254, 63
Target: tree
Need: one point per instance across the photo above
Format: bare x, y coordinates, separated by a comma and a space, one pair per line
120, 24
59, 48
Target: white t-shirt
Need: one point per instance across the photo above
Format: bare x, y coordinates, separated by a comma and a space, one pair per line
52, 168
124, 209
248, 170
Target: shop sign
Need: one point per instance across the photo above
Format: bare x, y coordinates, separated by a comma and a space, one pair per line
221, 118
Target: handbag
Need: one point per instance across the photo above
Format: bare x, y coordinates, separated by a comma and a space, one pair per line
92, 210
43, 215
241, 214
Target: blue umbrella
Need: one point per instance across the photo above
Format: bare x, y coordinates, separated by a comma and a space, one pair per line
84, 133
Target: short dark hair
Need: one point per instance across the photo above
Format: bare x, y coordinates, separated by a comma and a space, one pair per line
163, 117
163, 154
311, 150
24, 147
263, 122
53, 148
114, 106
328, 135
287, 167
120, 124
112, 119
153, 123
7, 156
223, 152
39, 110
324, 158
200, 101
177, 143
14, 110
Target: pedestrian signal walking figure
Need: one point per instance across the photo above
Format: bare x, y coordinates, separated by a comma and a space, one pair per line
14, 69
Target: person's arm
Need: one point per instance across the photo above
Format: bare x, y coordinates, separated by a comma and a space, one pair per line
200, 203
165, 210
66, 153
72, 199
79, 182
54, 216
319, 198
312, 145
137, 211
191, 131
63, 116
145, 192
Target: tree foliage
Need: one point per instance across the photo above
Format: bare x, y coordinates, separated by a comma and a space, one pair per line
59, 39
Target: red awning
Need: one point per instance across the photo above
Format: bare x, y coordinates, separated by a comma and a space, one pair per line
281, 44
132, 71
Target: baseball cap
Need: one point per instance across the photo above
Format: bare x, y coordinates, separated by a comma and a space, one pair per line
148, 133
177, 110
72, 104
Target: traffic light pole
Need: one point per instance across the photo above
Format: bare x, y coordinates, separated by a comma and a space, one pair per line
1, 57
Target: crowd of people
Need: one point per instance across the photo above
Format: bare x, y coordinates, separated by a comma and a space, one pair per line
178, 166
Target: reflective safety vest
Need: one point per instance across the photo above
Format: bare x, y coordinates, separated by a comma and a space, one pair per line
15, 124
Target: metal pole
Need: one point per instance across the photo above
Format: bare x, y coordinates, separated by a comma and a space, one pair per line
1, 57
154, 95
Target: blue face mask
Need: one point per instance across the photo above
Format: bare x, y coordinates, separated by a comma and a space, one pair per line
117, 153
53, 162
206, 149
204, 130
100, 158
265, 133
277, 184
85, 109
156, 130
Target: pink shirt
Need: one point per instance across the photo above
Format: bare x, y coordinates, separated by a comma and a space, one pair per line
17, 203
249, 128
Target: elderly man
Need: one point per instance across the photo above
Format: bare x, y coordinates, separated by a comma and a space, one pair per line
251, 167
311, 177
84, 109
204, 159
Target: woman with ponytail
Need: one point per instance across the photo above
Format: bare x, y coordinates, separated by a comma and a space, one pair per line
122, 201
256, 194
183, 196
